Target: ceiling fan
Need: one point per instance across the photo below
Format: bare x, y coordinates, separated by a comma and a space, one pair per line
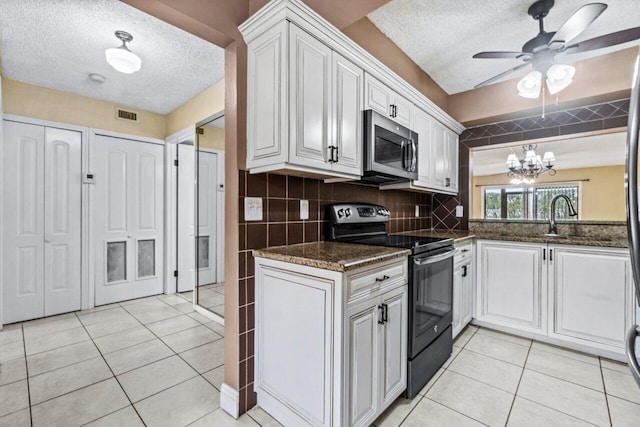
540, 51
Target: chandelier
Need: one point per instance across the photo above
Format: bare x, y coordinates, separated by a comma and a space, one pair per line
525, 171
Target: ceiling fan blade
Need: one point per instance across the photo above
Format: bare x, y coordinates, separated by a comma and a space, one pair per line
499, 54
575, 25
501, 75
607, 40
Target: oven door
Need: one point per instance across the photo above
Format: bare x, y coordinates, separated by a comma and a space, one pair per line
431, 298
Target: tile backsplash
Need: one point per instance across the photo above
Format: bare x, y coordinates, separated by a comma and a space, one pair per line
281, 225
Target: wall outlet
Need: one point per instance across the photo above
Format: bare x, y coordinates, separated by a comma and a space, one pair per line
304, 209
459, 211
253, 208
417, 211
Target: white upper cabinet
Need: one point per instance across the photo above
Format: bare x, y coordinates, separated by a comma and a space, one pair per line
384, 100
307, 87
319, 129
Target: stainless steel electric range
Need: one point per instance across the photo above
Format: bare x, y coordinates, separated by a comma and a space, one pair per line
430, 284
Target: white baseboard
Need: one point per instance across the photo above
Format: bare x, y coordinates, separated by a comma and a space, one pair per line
230, 400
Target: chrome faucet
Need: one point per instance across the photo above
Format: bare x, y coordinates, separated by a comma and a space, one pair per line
553, 229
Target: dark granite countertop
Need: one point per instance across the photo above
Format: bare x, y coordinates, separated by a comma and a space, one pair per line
613, 242
331, 255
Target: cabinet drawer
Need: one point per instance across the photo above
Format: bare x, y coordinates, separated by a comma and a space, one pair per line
380, 276
463, 254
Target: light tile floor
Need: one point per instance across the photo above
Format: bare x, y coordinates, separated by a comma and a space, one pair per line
210, 296
497, 379
152, 362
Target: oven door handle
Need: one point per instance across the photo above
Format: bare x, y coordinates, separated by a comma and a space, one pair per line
433, 259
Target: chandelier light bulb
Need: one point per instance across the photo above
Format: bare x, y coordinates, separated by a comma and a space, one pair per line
525, 171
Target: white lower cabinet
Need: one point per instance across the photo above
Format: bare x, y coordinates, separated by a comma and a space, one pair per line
577, 296
463, 285
324, 358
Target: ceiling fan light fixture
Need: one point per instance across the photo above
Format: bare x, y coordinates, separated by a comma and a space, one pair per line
121, 58
529, 86
559, 76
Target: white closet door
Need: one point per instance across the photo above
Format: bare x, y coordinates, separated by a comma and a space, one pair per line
41, 227
128, 219
186, 218
23, 224
62, 207
206, 239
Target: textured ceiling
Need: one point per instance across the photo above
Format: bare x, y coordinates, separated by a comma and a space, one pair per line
591, 151
57, 44
442, 36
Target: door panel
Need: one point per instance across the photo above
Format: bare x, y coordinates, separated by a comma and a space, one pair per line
128, 219
310, 61
363, 362
395, 346
23, 222
186, 218
207, 238
62, 231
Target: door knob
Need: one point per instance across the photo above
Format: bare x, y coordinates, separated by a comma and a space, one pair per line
47, 239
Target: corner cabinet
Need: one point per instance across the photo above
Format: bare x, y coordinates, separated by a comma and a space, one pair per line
331, 347
576, 296
304, 105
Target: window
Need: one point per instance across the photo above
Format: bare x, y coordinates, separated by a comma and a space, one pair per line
509, 202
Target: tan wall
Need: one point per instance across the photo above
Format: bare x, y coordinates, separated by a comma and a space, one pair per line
603, 196
205, 104
370, 38
602, 79
29, 100
213, 137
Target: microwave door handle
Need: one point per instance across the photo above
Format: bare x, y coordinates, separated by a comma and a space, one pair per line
403, 154
414, 158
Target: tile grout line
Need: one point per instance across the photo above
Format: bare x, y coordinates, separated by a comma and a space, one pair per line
604, 388
456, 411
181, 358
26, 365
114, 377
515, 394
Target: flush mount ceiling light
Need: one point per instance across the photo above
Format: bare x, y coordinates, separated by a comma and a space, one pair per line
121, 58
525, 171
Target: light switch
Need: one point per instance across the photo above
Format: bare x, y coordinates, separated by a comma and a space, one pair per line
459, 211
304, 209
253, 208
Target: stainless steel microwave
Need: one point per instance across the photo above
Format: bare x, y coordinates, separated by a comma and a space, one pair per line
390, 150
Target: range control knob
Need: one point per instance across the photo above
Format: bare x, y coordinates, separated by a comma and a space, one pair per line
340, 213
347, 212
383, 212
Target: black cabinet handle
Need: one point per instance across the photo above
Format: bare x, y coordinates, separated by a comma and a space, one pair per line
382, 279
464, 271
551, 255
385, 312
544, 254
381, 316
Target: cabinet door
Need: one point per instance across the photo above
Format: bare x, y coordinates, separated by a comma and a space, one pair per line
512, 285
451, 165
377, 96
402, 110
438, 160
592, 297
422, 126
267, 132
393, 364
347, 115
363, 338
457, 300
466, 285
310, 89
